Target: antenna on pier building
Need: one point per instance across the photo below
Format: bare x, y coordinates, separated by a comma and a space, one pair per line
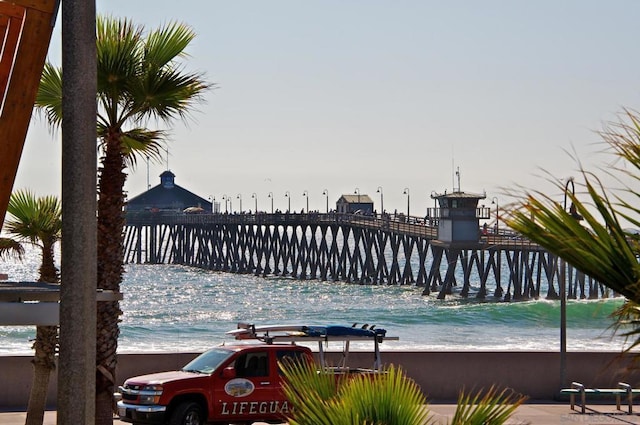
166, 150
458, 179
148, 184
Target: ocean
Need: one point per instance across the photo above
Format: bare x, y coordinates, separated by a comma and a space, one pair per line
169, 308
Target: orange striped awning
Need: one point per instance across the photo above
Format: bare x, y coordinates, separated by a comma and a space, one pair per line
25, 31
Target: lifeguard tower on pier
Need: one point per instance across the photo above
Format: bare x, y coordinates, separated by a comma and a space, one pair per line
459, 218
458, 233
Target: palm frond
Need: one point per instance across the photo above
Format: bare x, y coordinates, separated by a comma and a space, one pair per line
486, 408
10, 249
601, 248
385, 398
167, 94
623, 137
139, 143
49, 96
34, 219
119, 50
324, 398
602, 252
166, 43
309, 392
136, 143
628, 324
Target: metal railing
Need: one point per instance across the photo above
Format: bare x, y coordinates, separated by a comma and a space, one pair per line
426, 227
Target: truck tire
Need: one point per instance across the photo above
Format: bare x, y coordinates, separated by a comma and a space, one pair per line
187, 413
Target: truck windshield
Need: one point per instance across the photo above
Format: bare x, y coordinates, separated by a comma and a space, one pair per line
208, 361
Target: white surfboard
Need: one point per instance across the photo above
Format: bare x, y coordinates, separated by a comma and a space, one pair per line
253, 330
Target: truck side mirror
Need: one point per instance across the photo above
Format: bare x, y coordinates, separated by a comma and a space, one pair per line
229, 372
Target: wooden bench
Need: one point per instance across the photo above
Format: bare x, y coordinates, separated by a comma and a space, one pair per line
577, 389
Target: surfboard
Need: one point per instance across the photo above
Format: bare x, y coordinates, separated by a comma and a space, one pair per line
252, 330
246, 331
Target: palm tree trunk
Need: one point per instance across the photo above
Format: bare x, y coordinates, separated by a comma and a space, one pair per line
48, 270
110, 270
45, 345
43, 365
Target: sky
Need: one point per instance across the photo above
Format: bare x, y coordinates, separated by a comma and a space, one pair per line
354, 95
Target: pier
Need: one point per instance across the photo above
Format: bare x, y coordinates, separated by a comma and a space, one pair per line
360, 249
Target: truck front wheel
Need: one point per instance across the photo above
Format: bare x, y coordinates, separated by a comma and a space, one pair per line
188, 413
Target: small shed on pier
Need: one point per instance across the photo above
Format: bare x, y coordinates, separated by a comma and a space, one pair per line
352, 204
459, 216
169, 197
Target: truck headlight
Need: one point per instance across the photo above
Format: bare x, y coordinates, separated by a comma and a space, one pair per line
149, 394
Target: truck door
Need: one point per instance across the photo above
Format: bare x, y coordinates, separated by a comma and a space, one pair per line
253, 394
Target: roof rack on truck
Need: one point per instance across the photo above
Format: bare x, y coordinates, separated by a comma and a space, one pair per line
311, 333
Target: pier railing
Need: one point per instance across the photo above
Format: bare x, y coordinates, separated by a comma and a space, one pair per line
399, 223
426, 227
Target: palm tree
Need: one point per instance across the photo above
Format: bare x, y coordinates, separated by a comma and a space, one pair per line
601, 248
140, 78
38, 221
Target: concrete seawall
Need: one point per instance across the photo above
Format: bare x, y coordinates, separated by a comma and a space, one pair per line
441, 375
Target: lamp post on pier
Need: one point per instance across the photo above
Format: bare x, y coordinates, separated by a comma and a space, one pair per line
288, 196
406, 192
306, 195
213, 203
357, 192
255, 197
225, 198
494, 201
270, 195
381, 200
434, 216
563, 296
326, 193
240, 198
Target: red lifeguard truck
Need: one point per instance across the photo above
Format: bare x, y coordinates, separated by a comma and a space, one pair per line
238, 382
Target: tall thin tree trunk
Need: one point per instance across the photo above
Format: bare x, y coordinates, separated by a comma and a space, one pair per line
110, 271
45, 346
48, 271
43, 365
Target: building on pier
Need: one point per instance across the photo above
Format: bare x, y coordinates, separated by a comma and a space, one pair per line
459, 216
167, 197
347, 204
